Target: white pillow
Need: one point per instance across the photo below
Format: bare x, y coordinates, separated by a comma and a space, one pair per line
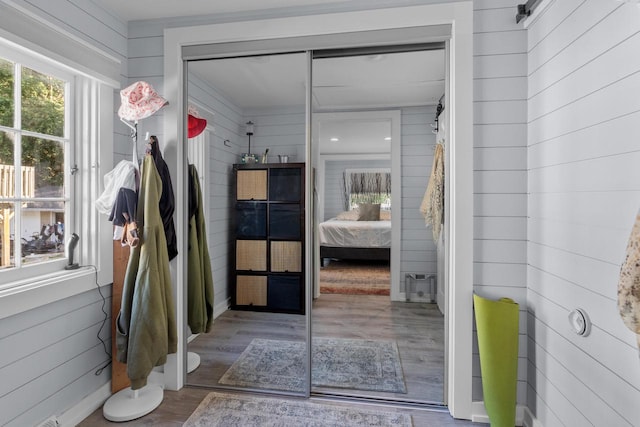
351, 215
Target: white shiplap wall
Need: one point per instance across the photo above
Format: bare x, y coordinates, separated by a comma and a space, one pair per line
584, 191
418, 251
49, 354
227, 125
281, 130
500, 166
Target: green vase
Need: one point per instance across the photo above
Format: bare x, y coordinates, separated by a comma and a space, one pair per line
497, 326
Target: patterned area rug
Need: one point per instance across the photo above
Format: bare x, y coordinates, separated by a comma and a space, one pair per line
355, 278
219, 409
342, 363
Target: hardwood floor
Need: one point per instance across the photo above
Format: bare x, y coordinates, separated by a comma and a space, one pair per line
417, 328
177, 406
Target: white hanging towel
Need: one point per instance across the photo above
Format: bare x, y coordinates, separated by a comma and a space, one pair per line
123, 175
629, 282
432, 207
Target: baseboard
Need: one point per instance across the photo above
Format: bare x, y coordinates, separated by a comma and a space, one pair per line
85, 407
530, 420
217, 311
220, 308
479, 414
95, 400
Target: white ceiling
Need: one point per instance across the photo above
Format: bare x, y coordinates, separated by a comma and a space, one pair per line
347, 83
134, 10
357, 82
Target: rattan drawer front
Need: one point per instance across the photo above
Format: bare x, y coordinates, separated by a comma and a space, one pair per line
251, 255
286, 256
252, 185
251, 290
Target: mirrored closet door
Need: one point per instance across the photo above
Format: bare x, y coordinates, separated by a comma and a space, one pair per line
377, 331
256, 223
373, 309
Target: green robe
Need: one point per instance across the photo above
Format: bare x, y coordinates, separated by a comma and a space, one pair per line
146, 326
200, 291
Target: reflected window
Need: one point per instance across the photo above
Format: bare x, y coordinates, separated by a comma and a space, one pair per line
367, 187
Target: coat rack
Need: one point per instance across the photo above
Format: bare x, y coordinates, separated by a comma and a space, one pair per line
134, 137
128, 404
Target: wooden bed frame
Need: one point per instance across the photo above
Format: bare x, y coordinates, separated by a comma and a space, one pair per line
377, 254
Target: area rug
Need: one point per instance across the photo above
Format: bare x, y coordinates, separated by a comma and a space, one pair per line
372, 365
221, 409
355, 278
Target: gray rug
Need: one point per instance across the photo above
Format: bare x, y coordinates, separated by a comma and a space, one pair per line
227, 410
372, 365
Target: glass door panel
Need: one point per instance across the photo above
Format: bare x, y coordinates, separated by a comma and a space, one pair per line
255, 232
370, 337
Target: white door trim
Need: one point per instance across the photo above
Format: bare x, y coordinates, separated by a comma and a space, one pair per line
395, 120
460, 266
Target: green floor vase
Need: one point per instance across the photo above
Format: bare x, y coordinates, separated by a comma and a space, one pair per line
497, 326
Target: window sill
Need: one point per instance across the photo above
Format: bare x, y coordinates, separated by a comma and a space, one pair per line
29, 294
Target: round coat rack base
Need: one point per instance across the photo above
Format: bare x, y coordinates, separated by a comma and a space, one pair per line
127, 404
193, 361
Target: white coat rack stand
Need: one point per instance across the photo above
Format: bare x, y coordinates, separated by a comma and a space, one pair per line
128, 404
193, 361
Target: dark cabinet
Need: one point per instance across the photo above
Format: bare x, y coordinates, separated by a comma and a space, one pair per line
268, 267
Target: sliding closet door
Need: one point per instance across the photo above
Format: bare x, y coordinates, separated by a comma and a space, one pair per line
256, 233
375, 332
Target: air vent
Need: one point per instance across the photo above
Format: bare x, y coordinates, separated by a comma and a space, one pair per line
51, 422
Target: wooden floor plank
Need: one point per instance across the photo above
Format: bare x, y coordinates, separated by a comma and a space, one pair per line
177, 406
417, 328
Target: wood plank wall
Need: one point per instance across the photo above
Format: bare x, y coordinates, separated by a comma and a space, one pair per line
418, 251
500, 166
49, 355
280, 129
228, 125
584, 192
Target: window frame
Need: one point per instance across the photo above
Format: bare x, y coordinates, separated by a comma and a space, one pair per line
22, 60
75, 187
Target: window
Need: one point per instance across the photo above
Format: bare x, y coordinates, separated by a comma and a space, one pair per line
367, 186
53, 120
34, 146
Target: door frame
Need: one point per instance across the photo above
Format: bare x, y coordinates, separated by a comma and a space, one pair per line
337, 28
394, 155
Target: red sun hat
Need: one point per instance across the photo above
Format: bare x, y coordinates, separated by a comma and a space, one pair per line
195, 126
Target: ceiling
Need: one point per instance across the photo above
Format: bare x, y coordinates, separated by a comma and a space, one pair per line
134, 10
339, 84
347, 83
